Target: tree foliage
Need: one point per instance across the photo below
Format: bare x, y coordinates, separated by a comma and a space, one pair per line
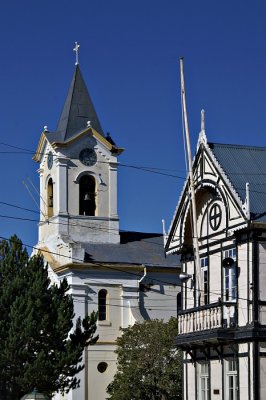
36, 318
149, 365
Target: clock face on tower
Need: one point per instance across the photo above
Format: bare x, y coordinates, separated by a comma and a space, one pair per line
50, 160
88, 157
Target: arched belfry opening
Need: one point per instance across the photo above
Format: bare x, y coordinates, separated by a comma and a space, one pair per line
50, 198
87, 195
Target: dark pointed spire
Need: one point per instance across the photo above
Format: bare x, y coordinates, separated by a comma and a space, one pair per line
78, 110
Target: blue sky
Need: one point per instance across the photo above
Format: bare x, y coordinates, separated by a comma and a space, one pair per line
129, 57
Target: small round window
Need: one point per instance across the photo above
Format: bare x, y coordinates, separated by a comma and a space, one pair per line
102, 367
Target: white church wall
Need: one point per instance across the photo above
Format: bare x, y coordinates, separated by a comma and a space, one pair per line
98, 381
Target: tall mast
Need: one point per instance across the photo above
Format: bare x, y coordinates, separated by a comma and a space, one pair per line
191, 187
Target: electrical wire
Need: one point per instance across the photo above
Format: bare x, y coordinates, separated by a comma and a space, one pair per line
125, 271
139, 275
154, 170
97, 264
146, 169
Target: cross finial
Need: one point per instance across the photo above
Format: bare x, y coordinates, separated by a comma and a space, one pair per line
76, 49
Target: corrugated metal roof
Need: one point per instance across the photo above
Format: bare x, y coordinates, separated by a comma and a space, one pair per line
135, 248
244, 164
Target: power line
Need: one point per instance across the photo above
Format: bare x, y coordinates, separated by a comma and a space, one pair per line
103, 229
125, 271
131, 273
97, 264
154, 170
19, 207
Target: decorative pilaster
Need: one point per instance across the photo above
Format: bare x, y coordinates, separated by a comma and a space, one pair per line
61, 185
113, 190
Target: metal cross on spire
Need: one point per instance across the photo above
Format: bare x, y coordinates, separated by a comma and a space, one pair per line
76, 49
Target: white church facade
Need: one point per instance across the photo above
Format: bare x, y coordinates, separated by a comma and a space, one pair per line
125, 276
222, 325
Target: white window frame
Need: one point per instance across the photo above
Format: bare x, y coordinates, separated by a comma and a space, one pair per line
204, 266
230, 277
203, 381
231, 378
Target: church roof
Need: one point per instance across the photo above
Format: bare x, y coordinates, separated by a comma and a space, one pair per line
135, 248
77, 111
245, 164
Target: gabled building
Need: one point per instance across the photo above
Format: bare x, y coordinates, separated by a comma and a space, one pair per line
122, 275
222, 325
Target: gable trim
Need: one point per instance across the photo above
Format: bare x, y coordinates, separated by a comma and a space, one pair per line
222, 186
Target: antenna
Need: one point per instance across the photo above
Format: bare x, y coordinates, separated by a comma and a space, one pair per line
36, 190
31, 195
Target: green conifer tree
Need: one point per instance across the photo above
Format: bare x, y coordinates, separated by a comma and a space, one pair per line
39, 346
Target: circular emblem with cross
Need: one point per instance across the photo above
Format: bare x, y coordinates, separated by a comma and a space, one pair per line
215, 216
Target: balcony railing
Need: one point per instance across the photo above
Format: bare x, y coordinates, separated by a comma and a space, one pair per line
211, 316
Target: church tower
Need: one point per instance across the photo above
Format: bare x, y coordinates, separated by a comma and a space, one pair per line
120, 275
78, 178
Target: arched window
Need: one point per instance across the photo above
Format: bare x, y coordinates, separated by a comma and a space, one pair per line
87, 205
50, 198
102, 306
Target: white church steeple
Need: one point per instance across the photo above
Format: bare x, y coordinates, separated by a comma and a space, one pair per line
78, 175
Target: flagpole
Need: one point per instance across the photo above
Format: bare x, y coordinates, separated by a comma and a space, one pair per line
191, 187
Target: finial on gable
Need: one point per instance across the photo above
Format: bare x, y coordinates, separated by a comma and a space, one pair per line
164, 232
202, 135
202, 120
76, 49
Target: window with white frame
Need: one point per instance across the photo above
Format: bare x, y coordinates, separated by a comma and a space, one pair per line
231, 379
204, 264
203, 381
230, 276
